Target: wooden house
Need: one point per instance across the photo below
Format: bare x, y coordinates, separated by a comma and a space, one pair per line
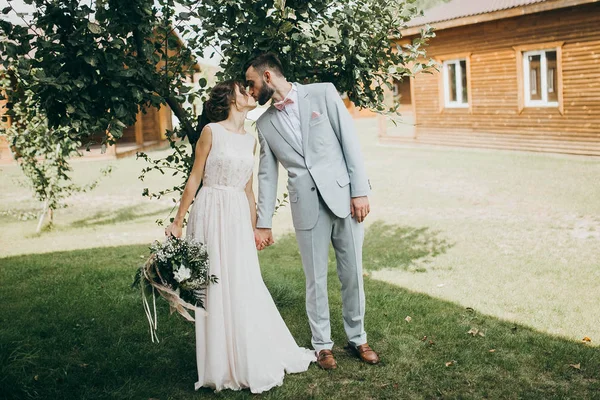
513, 74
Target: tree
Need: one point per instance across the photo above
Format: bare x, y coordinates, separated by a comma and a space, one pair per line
92, 68
42, 154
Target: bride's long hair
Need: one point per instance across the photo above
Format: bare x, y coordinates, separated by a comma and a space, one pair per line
218, 105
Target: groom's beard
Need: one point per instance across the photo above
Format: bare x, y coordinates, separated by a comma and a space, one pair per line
265, 94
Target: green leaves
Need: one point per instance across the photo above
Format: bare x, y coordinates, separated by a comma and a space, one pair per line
346, 43
94, 28
43, 152
91, 60
11, 49
184, 16
97, 65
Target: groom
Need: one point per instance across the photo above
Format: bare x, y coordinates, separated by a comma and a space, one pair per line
309, 131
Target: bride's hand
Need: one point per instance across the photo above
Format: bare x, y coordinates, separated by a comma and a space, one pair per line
263, 237
174, 230
260, 242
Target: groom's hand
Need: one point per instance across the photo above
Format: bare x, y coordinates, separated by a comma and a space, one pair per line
359, 208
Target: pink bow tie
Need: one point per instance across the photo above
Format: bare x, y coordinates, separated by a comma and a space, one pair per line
280, 105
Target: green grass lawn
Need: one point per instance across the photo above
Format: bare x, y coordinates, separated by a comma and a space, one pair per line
525, 230
514, 236
72, 328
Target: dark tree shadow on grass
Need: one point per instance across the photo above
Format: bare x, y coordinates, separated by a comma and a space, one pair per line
385, 246
126, 214
72, 328
392, 246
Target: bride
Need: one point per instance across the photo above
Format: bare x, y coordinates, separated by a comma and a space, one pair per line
243, 342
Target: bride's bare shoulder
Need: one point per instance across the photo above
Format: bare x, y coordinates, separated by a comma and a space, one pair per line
205, 139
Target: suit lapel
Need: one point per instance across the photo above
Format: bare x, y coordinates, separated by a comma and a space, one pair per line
279, 128
304, 109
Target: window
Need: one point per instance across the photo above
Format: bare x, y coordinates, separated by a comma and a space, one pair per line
540, 78
455, 84
401, 91
539, 75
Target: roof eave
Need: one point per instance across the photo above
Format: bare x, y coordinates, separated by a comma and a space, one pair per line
496, 15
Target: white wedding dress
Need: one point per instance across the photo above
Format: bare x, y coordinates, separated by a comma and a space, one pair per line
243, 342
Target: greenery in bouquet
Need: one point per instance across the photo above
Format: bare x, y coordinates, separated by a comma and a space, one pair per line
179, 270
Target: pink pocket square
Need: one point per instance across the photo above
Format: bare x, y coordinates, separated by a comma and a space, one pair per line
315, 114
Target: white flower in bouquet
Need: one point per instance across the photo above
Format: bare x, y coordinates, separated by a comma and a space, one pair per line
179, 270
182, 273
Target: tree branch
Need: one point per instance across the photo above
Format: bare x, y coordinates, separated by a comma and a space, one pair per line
180, 113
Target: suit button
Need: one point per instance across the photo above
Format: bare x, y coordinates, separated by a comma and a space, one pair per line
312, 189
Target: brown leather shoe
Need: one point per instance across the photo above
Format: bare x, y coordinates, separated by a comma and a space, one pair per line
325, 359
365, 353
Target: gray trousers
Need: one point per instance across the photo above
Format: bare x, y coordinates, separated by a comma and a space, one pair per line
347, 237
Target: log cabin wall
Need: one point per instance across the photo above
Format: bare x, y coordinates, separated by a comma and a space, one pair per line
5, 153
128, 135
154, 124
495, 116
3, 147
150, 125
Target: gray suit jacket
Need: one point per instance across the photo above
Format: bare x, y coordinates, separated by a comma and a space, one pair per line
329, 162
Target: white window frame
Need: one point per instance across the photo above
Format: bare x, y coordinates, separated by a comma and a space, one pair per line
457, 82
543, 79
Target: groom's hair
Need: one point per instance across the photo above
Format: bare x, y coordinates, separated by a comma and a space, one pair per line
265, 61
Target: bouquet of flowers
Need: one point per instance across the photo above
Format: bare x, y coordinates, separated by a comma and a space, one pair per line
178, 269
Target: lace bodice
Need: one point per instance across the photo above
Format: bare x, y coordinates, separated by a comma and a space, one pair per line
231, 159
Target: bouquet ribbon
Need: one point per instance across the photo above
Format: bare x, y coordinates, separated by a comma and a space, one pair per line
176, 303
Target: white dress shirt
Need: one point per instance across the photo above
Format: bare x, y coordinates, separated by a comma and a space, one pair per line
290, 116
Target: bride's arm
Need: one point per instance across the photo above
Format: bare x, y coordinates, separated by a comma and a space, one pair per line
251, 200
191, 187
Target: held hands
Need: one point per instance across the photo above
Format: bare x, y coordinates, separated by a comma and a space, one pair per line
174, 230
263, 237
359, 208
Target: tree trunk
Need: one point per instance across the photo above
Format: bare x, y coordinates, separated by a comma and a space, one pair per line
42, 215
